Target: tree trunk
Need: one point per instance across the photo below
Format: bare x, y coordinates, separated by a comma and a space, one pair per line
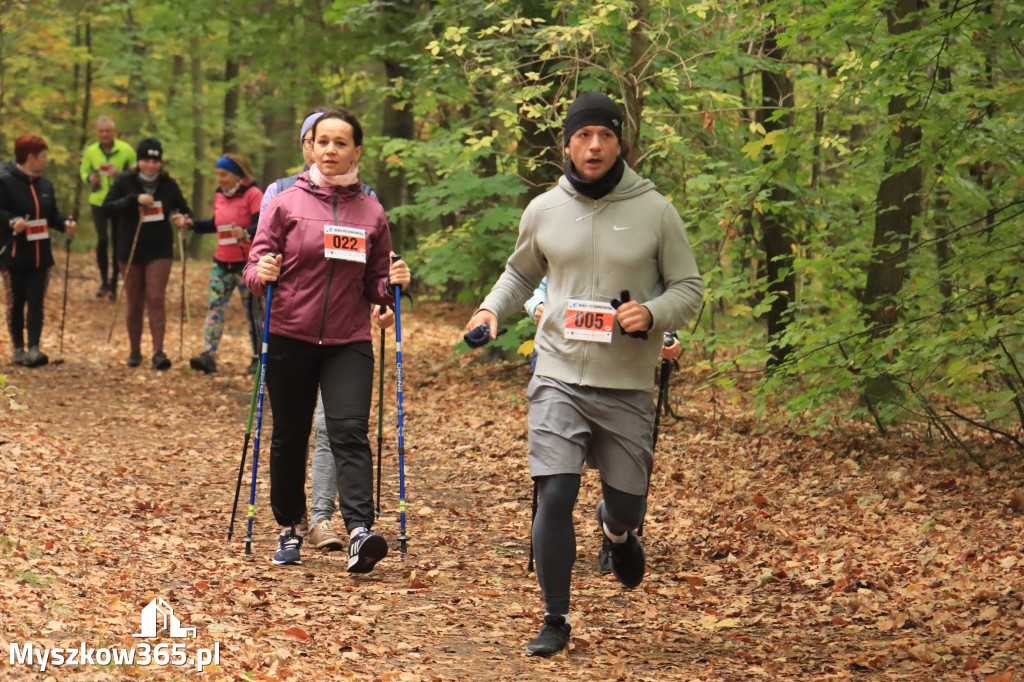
198, 137
777, 237
136, 99
83, 137
896, 205
398, 122
4, 11
632, 90
231, 95
283, 148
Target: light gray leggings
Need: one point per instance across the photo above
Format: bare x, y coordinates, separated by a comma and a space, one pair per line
554, 536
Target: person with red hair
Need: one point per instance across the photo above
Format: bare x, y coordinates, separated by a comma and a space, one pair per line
28, 211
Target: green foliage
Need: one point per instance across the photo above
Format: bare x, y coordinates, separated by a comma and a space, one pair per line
9, 391
487, 85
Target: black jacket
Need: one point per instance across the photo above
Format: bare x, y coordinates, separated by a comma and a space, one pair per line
32, 199
156, 239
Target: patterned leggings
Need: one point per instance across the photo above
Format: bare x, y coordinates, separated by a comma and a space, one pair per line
222, 283
146, 287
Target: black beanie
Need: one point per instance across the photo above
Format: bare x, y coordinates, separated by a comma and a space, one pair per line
593, 109
149, 148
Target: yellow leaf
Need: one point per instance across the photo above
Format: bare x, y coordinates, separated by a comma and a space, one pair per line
526, 348
737, 309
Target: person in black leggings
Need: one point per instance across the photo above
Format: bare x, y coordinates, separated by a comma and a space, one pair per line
28, 212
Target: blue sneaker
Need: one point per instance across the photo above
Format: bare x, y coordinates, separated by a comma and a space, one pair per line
288, 544
365, 549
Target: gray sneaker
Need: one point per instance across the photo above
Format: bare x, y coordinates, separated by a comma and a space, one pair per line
35, 357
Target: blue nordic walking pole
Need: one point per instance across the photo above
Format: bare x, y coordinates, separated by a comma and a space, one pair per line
259, 418
403, 539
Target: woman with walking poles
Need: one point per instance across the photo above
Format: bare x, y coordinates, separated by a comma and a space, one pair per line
325, 247
144, 202
236, 211
28, 211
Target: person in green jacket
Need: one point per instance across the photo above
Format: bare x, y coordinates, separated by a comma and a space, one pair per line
620, 273
102, 162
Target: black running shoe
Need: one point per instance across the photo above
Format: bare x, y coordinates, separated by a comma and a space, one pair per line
35, 357
604, 557
628, 562
553, 637
204, 362
161, 361
288, 544
365, 549
134, 359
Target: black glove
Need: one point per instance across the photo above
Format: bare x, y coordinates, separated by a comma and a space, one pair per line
480, 336
615, 304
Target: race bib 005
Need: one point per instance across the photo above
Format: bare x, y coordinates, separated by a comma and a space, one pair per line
589, 321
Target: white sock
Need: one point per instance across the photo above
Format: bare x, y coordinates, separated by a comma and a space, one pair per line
617, 539
568, 619
357, 530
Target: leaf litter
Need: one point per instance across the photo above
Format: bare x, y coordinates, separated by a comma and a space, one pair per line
770, 554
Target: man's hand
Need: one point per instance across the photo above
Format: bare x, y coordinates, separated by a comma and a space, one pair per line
240, 234
385, 317
180, 221
93, 179
484, 317
634, 317
19, 225
538, 313
146, 200
70, 226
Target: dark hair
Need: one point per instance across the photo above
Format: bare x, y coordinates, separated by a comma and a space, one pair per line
346, 116
27, 145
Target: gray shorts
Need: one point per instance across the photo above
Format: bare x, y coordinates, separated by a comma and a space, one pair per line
611, 429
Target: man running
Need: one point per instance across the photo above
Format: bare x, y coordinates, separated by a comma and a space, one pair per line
614, 251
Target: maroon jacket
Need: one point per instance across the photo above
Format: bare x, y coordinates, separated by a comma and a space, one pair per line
319, 299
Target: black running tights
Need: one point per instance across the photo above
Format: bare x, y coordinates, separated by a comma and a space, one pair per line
26, 288
554, 536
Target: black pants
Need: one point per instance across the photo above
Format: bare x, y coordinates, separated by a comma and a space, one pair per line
344, 375
554, 536
107, 264
25, 287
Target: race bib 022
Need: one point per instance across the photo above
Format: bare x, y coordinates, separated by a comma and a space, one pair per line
345, 243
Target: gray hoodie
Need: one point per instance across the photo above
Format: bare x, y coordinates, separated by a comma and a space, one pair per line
631, 239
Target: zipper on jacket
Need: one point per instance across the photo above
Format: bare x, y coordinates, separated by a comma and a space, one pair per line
330, 279
35, 198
